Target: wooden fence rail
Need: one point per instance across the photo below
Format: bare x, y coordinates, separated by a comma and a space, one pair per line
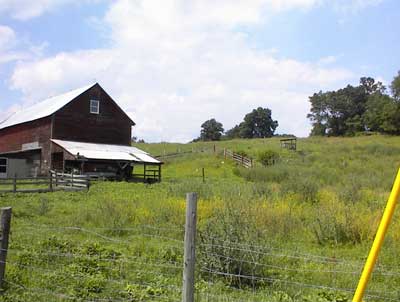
239, 158
54, 182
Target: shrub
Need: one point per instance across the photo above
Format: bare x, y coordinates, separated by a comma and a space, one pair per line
276, 174
268, 157
242, 153
224, 245
337, 224
307, 188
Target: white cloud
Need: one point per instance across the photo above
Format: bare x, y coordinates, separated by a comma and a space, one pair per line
8, 43
174, 64
7, 38
354, 6
28, 9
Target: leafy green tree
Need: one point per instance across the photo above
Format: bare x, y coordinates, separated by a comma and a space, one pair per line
395, 87
383, 114
211, 130
341, 112
371, 87
258, 124
233, 133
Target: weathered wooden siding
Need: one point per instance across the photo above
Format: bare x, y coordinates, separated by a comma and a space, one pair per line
74, 122
25, 136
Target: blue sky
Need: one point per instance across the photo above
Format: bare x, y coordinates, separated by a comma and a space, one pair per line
172, 64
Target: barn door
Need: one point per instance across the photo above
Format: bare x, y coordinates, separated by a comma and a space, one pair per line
3, 167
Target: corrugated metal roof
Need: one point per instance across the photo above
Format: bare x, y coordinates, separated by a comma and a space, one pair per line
44, 108
103, 151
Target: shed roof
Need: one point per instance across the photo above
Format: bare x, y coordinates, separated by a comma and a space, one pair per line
107, 152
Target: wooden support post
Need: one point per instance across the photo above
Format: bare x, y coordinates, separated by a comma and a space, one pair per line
190, 244
50, 181
144, 173
55, 173
204, 175
159, 172
5, 222
72, 179
15, 183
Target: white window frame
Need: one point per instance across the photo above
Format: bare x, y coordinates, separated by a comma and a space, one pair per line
4, 174
94, 104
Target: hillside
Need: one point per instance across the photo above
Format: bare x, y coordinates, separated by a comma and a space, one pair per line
296, 231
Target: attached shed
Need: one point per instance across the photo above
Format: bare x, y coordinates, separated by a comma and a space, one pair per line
104, 160
82, 129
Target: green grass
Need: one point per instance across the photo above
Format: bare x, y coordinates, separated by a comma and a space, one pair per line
275, 223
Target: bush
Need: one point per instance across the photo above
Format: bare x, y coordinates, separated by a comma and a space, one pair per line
336, 224
307, 188
276, 174
224, 245
268, 157
242, 153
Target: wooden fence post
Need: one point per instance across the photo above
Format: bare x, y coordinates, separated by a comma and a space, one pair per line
15, 183
190, 252
51, 181
204, 175
5, 222
224, 153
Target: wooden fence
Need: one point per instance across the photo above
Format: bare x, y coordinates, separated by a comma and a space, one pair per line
54, 182
244, 161
239, 158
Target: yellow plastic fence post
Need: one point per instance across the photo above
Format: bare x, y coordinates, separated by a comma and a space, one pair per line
380, 236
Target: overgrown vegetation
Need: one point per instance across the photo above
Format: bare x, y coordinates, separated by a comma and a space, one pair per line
306, 221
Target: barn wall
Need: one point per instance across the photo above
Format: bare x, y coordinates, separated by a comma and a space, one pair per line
74, 122
31, 135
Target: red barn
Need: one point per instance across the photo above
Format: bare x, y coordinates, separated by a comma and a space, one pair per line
82, 130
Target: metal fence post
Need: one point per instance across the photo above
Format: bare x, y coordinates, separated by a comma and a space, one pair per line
5, 222
190, 252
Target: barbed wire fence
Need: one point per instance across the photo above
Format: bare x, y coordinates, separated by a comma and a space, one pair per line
72, 263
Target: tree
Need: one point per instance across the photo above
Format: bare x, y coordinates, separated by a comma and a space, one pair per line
354, 109
340, 112
395, 87
371, 87
233, 133
211, 130
258, 124
382, 114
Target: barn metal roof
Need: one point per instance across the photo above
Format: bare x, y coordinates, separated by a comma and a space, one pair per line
44, 108
108, 152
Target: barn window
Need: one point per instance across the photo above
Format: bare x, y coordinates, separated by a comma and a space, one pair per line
94, 106
3, 166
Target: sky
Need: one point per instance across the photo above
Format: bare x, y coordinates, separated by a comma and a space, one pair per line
173, 64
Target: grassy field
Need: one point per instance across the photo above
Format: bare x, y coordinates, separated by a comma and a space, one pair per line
296, 231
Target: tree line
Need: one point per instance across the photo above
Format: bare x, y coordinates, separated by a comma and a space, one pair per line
256, 124
370, 106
